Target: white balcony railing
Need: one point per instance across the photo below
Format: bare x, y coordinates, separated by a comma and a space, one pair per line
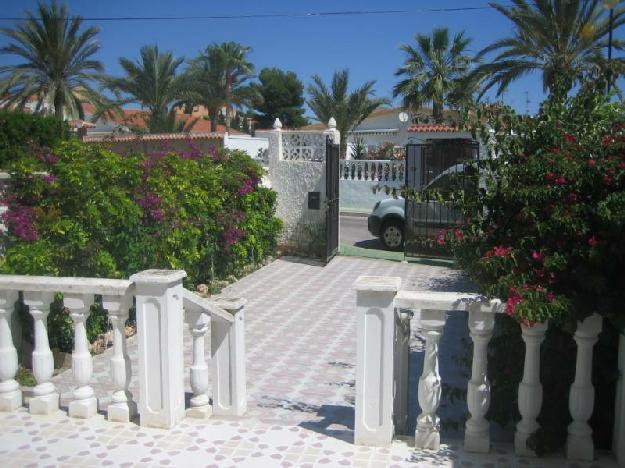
372, 170
159, 299
383, 332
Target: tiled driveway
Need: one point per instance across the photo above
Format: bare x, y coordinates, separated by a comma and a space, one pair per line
300, 340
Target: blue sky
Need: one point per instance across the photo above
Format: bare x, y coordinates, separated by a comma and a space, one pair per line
368, 45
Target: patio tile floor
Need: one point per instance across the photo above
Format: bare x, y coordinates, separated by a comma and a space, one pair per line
300, 345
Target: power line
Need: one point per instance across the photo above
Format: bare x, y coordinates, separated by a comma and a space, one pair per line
262, 15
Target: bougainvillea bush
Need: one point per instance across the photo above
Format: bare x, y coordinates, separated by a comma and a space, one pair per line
82, 210
546, 234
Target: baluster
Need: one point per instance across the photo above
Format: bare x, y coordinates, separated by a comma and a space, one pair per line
45, 397
366, 175
359, 170
122, 407
427, 435
10, 393
530, 389
352, 171
477, 430
200, 407
579, 444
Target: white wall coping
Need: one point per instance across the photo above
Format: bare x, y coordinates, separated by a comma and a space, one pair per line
449, 301
104, 286
197, 303
377, 283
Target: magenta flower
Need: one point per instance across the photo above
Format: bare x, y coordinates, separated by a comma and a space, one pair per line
49, 178
19, 220
538, 256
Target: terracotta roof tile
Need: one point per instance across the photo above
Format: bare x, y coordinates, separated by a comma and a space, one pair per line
154, 137
431, 128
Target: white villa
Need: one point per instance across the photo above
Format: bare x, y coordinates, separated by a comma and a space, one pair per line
396, 126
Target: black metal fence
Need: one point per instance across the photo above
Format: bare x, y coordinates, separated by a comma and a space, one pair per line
435, 171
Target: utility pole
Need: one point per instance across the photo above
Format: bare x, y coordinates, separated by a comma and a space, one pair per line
527, 102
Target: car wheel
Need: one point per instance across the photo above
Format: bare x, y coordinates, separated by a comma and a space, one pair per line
392, 234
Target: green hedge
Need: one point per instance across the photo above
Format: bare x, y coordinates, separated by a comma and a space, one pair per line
19, 131
95, 213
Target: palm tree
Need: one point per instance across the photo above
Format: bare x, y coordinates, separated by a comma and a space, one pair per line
560, 38
348, 109
435, 71
151, 82
56, 62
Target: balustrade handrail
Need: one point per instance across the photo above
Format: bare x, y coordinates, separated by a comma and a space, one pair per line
196, 303
447, 301
77, 285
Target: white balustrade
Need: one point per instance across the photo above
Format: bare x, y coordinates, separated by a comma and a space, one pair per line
368, 170
122, 407
477, 429
579, 444
160, 298
530, 388
10, 393
84, 405
45, 397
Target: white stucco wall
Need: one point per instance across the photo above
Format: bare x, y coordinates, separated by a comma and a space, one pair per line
251, 145
303, 229
358, 196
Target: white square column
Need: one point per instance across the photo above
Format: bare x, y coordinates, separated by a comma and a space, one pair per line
160, 327
375, 318
228, 360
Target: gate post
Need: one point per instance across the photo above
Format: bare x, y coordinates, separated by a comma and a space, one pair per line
375, 342
332, 132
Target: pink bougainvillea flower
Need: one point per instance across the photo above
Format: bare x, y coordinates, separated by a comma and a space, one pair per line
458, 233
607, 141
592, 162
550, 296
440, 240
570, 138
549, 176
607, 180
512, 303
538, 256
500, 251
621, 165
49, 178
573, 197
593, 241
560, 180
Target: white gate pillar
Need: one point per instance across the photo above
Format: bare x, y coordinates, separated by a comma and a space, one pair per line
375, 316
160, 327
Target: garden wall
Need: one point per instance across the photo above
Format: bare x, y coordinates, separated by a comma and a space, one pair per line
296, 166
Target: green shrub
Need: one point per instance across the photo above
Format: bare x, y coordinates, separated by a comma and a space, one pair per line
99, 214
20, 131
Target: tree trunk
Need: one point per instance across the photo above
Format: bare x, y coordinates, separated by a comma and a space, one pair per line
437, 111
213, 119
58, 106
343, 143
228, 100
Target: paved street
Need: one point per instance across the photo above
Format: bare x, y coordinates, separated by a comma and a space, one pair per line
354, 232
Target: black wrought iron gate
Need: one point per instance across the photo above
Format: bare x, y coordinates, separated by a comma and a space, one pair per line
332, 199
433, 169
